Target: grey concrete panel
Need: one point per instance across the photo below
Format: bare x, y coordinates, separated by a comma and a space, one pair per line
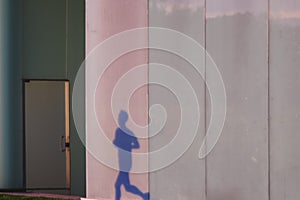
284, 101
237, 168
185, 178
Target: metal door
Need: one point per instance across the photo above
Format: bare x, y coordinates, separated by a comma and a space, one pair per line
47, 136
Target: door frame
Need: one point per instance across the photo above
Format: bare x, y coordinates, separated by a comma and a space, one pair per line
67, 133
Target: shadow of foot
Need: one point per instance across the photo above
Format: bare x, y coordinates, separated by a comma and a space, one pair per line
146, 196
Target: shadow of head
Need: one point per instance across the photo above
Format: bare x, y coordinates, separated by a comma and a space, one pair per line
122, 119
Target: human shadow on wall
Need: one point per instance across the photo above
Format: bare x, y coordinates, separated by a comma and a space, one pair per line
125, 141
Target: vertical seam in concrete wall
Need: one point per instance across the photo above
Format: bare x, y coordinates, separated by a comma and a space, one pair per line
268, 64
148, 92
84, 57
205, 115
85, 94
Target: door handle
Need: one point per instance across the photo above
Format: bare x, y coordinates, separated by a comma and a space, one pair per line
64, 144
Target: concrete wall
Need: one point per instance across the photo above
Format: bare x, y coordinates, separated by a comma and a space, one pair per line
104, 19
237, 168
257, 156
284, 101
185, 178
258, 151
255, 45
